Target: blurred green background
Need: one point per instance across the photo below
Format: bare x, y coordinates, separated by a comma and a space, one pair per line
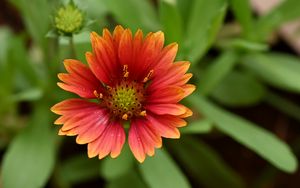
245, 131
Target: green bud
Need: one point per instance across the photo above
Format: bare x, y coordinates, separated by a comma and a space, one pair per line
68, 19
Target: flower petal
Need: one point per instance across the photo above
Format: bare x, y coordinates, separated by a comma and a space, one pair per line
164, 127
136, 144
137, 43
171, 109
79, 80
143, 139
119, 140
93, 129
146, 57
146, 53
126, 48
104, 58
175, 121
187, 113
110, 141
188, 89
82, 92
117, 34
97, 68
137, 46
76, 68
167, 55
73, 106
171, 76
79, 117
170, 94
159, 40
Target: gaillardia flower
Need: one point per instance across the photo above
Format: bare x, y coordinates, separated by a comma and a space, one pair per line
134, 83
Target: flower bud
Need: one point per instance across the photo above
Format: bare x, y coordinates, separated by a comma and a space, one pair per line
68, 19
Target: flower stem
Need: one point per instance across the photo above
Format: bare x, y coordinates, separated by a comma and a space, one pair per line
72, 47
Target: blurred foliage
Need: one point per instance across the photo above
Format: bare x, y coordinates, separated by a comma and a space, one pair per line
240, 71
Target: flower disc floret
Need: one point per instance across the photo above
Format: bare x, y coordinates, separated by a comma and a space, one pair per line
69, 19
125, 99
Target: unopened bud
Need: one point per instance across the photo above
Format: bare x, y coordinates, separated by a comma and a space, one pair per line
68, 19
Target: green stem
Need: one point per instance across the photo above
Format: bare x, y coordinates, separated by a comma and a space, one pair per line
53, 55
72, 47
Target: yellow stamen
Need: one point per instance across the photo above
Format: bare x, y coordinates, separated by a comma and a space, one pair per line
109, 88
143, 113
98, 95
125, 71
126, 74
125, 116
148, 76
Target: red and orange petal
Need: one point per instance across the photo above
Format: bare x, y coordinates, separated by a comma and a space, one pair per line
145, 59
145, 54
79, 80
172, 76
143, 139
169, 94
92, 125
110, 142
171, 109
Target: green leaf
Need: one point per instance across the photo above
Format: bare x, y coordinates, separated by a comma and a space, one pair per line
52, 34
184, 8
279, 70
249, 45
94, 9
243, 13
162, 171
6, 68
284, 105
30, 158
132, 180
134, 13
204, 23
254, 137
78, 169
26, 75
114, 168
28, 95
5, 35
286, 11
203, 164
197, 126
242, 44
217, 70
239, 89
36, 18
173, 29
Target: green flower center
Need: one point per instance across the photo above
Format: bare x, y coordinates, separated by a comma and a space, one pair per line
125, 99
69, 19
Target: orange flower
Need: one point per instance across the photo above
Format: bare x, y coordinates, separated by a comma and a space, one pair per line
134, 80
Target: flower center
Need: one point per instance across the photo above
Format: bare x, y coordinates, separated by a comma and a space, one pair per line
125, 99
